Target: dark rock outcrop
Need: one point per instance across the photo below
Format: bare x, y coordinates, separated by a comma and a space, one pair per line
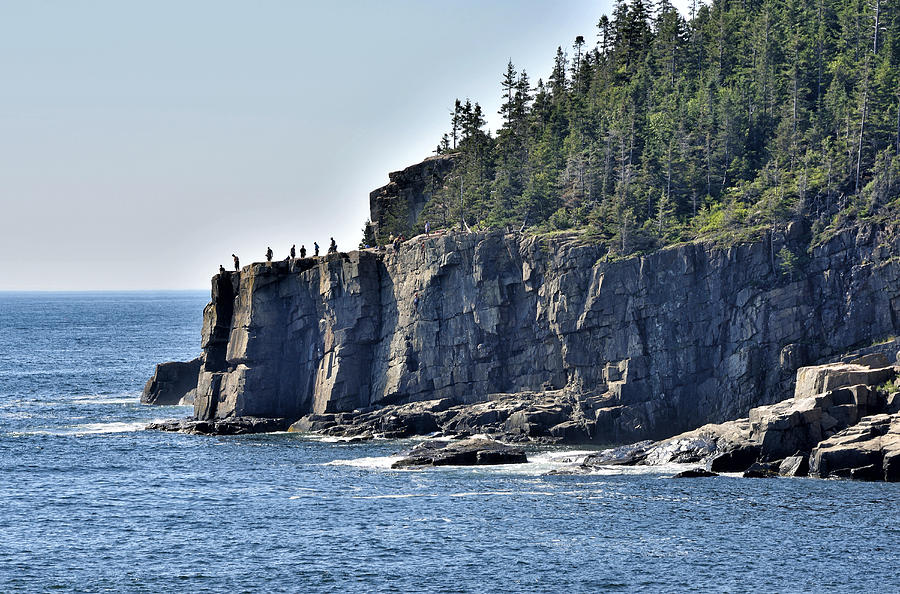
470, 452
695, 473
172, 383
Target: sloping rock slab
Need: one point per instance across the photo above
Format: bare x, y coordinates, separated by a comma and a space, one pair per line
471, 452
232, 426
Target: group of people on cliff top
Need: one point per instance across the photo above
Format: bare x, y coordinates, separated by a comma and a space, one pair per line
332, 249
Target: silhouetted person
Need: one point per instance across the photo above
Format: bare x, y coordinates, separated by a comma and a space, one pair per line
221, 269
268, 254
316, 247
332, 249
237, 262
293, 251
302, 251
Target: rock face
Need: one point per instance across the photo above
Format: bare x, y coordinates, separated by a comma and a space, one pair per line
399, 204
644, 347
172, 383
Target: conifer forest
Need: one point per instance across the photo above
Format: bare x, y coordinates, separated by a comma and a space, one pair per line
655, 127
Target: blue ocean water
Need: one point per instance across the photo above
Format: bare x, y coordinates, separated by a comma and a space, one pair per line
89, 502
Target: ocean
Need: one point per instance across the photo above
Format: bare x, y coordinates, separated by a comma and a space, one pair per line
91, 502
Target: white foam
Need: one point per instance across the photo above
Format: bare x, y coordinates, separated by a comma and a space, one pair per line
379, 462
115, 427
86, 429
397, 496
106, 400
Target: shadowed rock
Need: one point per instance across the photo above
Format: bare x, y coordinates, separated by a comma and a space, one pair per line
695, 473
172, 383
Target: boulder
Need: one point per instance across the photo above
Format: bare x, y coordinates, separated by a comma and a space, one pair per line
470, 452
738, 459
695, 473
797, 465
312, 423
172, 383
762, 470
626, 455
823, 378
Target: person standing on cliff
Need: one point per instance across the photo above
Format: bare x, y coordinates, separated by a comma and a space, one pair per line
416, 301
268, 254
332, 249
427, 228
221, 269
302, 251
237, 263
293, 251
316, 248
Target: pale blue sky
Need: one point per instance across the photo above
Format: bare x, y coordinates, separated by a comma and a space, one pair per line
141, 143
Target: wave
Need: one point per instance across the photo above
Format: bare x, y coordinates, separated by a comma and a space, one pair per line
87, 429
106, 400
374, 462
114, 427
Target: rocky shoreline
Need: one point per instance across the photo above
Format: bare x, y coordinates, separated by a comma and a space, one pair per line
842, 422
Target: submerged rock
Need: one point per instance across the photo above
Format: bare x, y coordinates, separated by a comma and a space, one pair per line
470, 452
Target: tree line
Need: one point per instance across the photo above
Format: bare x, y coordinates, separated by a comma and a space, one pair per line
742, 115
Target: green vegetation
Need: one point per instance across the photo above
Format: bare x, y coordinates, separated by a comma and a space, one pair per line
747, 114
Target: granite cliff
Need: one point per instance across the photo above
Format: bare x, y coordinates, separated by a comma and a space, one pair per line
540, 337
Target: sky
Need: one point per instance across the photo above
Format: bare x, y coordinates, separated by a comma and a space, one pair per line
141, 143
